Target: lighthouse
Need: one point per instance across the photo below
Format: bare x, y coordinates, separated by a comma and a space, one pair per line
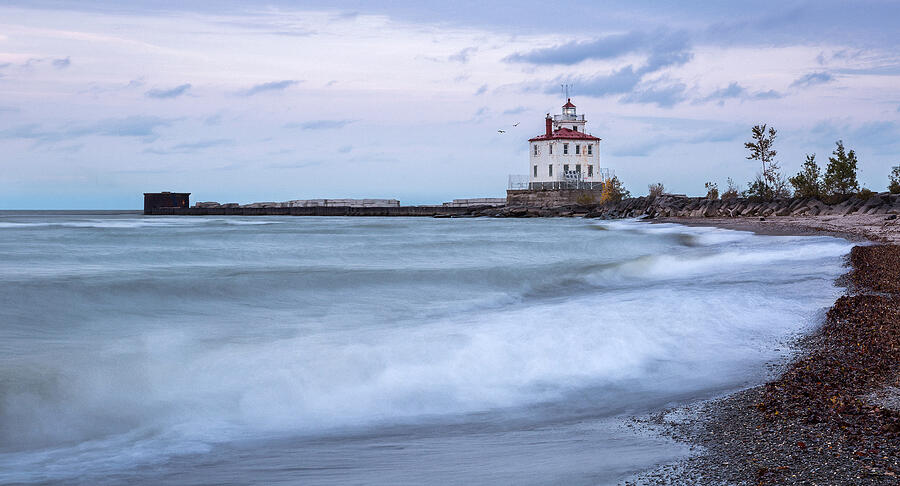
565, 156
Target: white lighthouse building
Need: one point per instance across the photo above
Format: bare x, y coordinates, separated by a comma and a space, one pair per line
565, 156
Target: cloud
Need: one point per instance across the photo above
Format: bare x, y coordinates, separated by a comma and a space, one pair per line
61, 63
351, 15
879, 137
812, 79
668, 50
733, 90
482, 90
144, 127
886, 69
640, 149
268, 26
271, 86
664, 96
767, 95
319, 124
618, 82
650, 144
168, 93
839, 55
345, 149
463, 55
133, 126
609, 47
726, 134
293, 165
663, 49
192, 147
515, 111
58, 63
11, 109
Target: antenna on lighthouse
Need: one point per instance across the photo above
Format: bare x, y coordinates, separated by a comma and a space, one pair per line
565, 89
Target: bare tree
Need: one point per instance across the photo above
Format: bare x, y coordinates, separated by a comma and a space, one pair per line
762, 149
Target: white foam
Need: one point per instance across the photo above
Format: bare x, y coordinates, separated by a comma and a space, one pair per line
676, 321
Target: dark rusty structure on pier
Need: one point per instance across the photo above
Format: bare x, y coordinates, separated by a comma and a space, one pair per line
159, 200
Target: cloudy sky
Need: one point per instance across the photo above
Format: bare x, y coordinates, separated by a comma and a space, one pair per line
241, 101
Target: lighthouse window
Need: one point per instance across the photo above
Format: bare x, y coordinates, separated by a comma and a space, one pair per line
590, 171
550, 167
551, 149
578, 150
566, 168
575, 127
590, 149
535, 171
535, 149
565, 149
578, 168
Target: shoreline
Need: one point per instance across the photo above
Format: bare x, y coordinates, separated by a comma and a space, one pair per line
854, 228
831, 413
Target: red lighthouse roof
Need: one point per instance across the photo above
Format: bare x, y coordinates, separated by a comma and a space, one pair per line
569, 104
564, 134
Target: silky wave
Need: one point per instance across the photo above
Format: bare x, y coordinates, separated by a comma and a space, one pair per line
162, 374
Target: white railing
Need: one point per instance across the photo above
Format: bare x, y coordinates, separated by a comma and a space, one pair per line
518, 181
568, 180
565, 118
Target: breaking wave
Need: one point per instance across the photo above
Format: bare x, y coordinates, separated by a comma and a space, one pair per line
129, 354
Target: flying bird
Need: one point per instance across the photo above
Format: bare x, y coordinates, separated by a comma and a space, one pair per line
516, 124
501, 131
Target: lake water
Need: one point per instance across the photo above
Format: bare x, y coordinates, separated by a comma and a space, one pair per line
290, 350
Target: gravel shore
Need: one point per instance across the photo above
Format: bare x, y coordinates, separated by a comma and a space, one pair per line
831, 417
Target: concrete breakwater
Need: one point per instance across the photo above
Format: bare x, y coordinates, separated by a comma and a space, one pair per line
645, 206
433, 211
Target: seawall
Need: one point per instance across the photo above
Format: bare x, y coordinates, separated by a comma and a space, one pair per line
539, 198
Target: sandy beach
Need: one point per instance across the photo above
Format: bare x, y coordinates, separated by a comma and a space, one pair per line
832, 414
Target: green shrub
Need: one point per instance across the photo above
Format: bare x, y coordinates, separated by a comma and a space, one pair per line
865, 194
732, 192
808, 182
840, 175
894, 186
769, 187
